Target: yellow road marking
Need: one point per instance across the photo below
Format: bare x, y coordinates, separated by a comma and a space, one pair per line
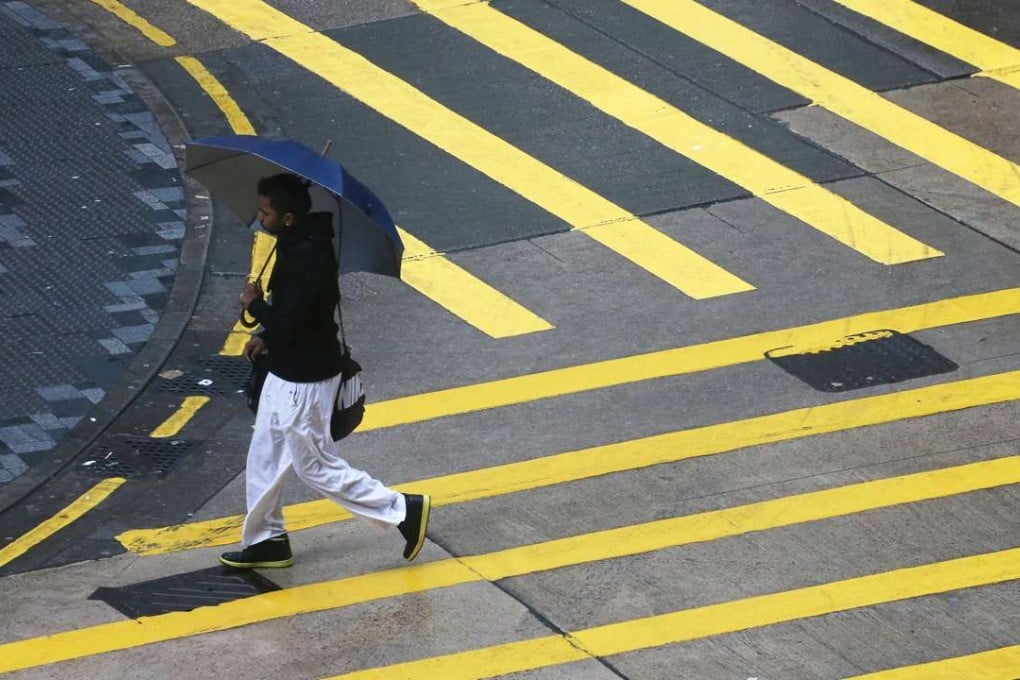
129, 16
467, 297
175, 423
238, 122
730, 352
433, 275
528, 559
995, 59
839, 95
760, 516
620, 457
584, 210
774, 183
996, 664
717, 619
88, 500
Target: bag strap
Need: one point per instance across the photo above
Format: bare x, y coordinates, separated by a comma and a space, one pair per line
344, 349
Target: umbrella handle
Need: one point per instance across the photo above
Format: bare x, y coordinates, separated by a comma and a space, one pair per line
244, 322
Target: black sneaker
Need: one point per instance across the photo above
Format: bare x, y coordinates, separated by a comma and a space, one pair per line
415, 523
271, 553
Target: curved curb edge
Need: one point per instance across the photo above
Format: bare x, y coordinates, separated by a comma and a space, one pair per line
174, 318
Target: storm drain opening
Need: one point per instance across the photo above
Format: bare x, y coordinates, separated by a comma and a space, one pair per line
134, 457
217, 375
184, 592
863, 360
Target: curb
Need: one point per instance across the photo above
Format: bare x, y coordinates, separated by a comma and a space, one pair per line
174, 318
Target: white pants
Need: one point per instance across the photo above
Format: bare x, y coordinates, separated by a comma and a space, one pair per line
292, 428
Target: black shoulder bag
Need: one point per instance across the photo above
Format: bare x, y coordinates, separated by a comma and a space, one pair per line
349, 405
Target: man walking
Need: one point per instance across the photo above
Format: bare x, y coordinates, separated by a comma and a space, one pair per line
292, 424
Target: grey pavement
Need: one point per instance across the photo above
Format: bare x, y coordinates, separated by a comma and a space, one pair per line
92, 216
602, 309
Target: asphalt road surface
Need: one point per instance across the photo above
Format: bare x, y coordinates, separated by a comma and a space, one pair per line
705, 346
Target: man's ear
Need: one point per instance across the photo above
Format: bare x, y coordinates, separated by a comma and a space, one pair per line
288, 219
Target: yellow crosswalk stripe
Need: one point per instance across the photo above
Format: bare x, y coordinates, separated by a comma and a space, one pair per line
730, 352
996, 59
88, 500
773, 182
433, 275
529, 559
581, 208
839, 95
996, 664
430, 273
436, 277
702, 622
619, 457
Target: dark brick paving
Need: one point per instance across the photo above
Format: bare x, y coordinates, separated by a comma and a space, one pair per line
91, 218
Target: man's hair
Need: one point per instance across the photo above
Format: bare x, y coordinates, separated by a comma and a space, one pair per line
287, 193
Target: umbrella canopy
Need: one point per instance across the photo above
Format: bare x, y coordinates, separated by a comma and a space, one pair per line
230, 166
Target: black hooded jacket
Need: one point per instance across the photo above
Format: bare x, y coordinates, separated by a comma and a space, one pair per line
300, 330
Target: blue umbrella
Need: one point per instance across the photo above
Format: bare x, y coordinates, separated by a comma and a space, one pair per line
364, 234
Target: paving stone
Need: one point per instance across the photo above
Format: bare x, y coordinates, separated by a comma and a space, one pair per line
95, 394
132, 334
31, 17
47, 421
23, 435
58, 392
12, 464
146, 286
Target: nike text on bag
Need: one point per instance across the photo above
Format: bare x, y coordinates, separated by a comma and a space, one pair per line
349, 408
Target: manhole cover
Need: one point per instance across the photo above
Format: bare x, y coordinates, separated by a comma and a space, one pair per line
184, 592
134, 457
862, 360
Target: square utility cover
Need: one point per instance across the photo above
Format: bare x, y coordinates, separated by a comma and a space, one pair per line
861, 360
184, 592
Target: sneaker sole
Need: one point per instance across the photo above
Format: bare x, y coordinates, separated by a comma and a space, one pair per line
273, 564
426, 509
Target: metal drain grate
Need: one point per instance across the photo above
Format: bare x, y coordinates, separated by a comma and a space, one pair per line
862, 360
135, 457
184, 592
218, 375
233, 369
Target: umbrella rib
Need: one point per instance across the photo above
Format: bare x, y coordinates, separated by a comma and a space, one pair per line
218, 160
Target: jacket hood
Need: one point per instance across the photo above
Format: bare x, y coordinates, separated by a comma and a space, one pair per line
316, 225
319, 224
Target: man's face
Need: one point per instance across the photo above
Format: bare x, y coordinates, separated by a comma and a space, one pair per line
270, 220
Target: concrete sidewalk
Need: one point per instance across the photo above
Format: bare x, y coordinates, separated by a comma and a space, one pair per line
92, 220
